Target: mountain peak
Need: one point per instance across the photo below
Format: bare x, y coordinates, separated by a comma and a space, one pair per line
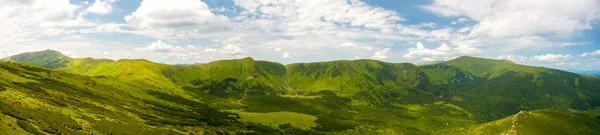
49, 51
46, 58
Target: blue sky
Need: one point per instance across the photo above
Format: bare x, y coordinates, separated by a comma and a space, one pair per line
531, 32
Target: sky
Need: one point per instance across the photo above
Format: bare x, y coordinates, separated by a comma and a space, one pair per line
563, 34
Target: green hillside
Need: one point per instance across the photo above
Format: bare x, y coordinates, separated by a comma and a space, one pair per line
46, 58
538, 122
249, 96
497, 88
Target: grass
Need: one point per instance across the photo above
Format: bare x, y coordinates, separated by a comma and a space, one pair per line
465, 95
410, 107
278, 119
539, 122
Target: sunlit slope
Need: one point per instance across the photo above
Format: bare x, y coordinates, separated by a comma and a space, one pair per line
496, 88
367, 80
488, 89
38, 101
46, 58
538, 122
230, 77
35, 100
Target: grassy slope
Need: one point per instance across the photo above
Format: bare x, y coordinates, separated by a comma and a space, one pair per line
34, 99
538, 122
353, 96
46, 58
496, 88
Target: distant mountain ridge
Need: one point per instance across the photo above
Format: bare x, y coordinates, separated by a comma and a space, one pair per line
593, 73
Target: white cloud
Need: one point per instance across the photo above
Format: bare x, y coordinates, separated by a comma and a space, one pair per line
572, 64
460, 20
159, 46
513, 58
348, 44
285, 55
176, 19
178, 52
233, 50
428, 59
506, 18
195, 52
353, 45
210, 50
277, 49
185, 55
425, 25
100, 7
444, 51
552, 58
27, 20
302, 17
594, 53
366, 48
382, 54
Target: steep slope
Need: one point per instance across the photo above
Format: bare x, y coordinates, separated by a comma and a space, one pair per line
368, 80
42, 101
230, 77
538, 122
35, 100
479, 89
496, 88
250, 96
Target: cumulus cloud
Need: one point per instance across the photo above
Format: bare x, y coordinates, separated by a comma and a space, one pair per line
594, 53
513, 58
505, 18
552, 58
353, 45
26, 20
227, 48
233, 50
296, 17
231, 47
172, 51
382, 54
444, 51
159, 46
101, 7
176, 18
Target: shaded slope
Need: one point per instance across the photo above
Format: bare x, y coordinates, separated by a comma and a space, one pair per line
230, 77
369, 80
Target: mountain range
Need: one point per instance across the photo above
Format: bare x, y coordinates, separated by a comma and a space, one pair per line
47, 92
